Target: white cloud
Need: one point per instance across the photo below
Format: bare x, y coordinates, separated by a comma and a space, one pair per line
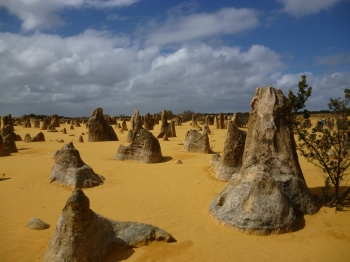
323, 87
98, 69
301, 8
46, 74
42, 14
202, 25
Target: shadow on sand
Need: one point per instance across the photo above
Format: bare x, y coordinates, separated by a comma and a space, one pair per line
4, 178
318, 194
120, 255
166, 159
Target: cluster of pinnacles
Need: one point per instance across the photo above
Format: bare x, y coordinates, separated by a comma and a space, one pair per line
265, 194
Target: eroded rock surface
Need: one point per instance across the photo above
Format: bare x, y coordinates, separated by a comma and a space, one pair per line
69, 169
166, 128
9, 138
83, 235
144, 145
270, 190
38, 138
195, 142
37, 224
231, 160
3, 150
99, 130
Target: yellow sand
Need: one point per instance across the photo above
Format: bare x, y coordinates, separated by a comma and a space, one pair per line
171, 196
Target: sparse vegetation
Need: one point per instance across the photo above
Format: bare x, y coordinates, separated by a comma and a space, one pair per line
327, 148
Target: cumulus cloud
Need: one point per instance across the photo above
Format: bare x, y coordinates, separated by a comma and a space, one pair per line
301, 8
99, 69
324, 87
201, 25
42, 14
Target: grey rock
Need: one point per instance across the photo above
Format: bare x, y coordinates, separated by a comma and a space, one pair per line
37, 224
230, 162
195, 142
83, 235
269, 191
69, 169
144, 147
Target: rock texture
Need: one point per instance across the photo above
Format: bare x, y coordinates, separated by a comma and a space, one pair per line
144, 145
230, 162
83, 235
9, 138
269, 191
45, 123
196, 143
38, 138
69, 169
37, 224
99, 130
3, 150
166, 128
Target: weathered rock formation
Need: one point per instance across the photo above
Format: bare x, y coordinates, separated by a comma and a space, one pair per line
38, 138
83, 235
37, 224
69, 169
178, 120
167, 128
3, 150
194, 121
45, 123
206, 129
7, 121
148, 122
36, 123
195, 142
99, 130
221, 121
55, 120
27, 123
124, 126
144, 145
76, 122
9, 138
51, 128
230, 162
269, 191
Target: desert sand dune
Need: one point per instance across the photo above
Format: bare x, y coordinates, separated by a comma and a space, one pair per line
173, 197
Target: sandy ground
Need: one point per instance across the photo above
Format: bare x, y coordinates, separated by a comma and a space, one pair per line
171, 196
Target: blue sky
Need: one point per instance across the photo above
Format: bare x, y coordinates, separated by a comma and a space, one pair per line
71, 56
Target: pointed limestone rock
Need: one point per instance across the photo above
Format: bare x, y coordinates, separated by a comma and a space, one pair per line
99, 130
144, 145
270, 190
83, 235
195, 142
231, 160
69, 169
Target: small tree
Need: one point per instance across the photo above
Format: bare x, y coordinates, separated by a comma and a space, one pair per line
297, 102
329, 148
